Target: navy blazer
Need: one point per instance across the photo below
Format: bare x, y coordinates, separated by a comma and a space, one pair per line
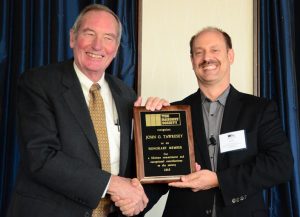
242, 174
60, 169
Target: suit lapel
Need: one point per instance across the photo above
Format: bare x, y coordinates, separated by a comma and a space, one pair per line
77, 104
231, 111
123, 111
201, 148
230, 119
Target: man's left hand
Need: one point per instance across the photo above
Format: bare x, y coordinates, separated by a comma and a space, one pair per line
152, 103
197, 181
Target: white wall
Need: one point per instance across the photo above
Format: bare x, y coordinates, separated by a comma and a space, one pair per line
167, 26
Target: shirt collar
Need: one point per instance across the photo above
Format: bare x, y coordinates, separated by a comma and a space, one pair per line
222, 98
85, 82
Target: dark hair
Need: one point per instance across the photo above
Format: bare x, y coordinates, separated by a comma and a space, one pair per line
96, 7
227, 38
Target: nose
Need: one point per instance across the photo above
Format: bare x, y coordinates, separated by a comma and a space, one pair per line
206, 55
97, 43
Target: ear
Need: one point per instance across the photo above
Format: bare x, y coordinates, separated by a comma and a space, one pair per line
72, 38
116, 52
231, 55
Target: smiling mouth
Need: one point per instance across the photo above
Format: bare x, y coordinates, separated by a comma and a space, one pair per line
209, 65
95, 56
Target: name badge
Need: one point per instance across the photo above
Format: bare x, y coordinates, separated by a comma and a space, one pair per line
232, 141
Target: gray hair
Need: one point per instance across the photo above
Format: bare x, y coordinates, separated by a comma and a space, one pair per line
97, 7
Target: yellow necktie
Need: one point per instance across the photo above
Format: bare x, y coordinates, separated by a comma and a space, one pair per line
97, 112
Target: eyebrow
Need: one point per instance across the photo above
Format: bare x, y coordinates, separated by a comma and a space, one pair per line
213, 46
108, 34
111, 34
87, 29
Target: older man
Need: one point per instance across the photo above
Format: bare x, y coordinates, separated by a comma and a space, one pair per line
75, 129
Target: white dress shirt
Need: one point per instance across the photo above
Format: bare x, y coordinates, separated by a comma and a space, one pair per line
111, 115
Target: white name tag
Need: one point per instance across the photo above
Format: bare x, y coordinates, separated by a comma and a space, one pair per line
232, 141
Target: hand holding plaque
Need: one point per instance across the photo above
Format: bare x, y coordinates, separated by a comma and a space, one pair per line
164, 145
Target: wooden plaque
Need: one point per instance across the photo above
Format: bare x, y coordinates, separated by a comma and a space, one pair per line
164, 146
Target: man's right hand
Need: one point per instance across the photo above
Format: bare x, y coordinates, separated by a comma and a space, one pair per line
128, 195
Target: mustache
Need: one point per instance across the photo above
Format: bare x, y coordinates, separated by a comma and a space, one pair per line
208, 62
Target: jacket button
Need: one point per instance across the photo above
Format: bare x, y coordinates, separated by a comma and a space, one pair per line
87, 214
208, 211
233, 200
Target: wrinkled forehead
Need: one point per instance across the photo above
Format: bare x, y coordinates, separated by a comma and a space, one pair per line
99, 17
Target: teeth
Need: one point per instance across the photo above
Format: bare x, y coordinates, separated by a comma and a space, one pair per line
210, 67
95, 55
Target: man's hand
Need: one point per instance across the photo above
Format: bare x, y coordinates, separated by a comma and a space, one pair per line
128, 195
197, 181
152, 103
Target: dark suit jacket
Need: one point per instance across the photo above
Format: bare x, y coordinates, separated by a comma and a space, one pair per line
60, 169
242, 174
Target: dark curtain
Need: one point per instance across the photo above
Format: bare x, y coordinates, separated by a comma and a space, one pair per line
279, 82
297, 44
34, 33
